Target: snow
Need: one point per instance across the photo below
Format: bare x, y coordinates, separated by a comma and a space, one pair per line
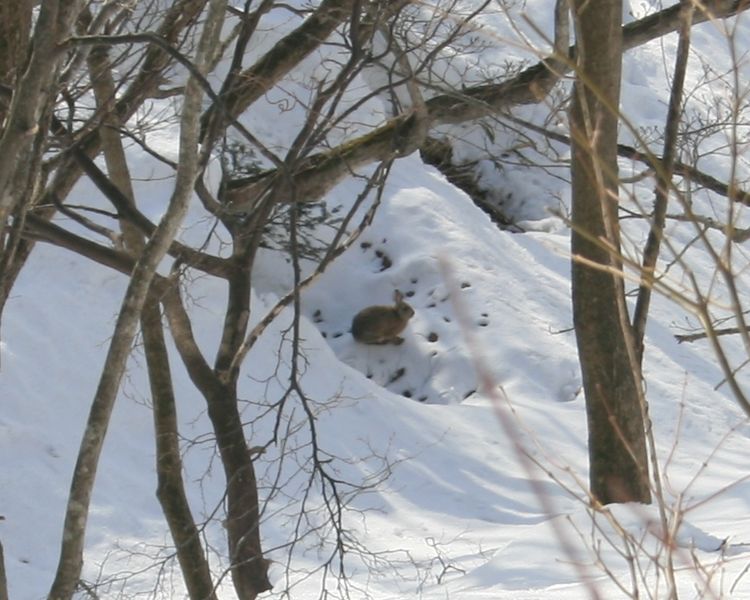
454, 509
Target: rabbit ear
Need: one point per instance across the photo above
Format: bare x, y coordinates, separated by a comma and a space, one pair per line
398, 296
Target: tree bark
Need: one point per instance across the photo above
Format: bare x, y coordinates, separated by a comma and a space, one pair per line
179, 17
28, 68
171, 489
103, 86
31, 98
617, 443
15, 29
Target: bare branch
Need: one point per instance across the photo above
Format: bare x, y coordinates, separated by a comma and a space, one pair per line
321, 172
702, 335
336, 250
71, 554
277, 62
663, 178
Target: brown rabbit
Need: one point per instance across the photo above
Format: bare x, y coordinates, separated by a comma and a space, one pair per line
382, 324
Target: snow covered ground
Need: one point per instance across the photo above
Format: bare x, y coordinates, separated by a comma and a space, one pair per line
456, 511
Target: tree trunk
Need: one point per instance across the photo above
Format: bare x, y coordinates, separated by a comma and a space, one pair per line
71, 554
249, 567
3, 578
21, 155
15, 29
611, 378
171, 491
32, 97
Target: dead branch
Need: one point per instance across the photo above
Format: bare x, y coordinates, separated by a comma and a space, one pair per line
702, 335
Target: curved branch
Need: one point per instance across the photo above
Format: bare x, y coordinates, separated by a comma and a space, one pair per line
534, 83
249, 568
40, 229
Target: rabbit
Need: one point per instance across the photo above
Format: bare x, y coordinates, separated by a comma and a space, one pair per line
382, 324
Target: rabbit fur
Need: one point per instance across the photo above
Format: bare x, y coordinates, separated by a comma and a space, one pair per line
382, 324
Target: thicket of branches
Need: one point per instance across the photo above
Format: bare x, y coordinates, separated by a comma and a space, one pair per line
85, 82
